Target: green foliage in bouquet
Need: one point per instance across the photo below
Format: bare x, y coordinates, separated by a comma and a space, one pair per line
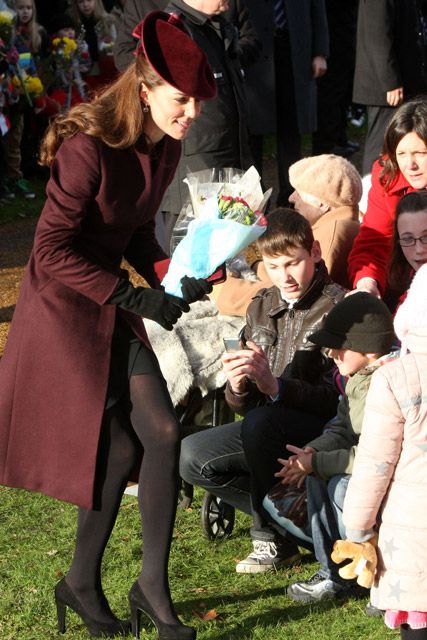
236, 209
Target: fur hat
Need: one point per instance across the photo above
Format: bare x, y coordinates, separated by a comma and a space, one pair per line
332, 179
411, 316
360, 322
174, 56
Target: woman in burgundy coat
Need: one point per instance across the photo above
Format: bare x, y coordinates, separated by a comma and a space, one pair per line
81, 392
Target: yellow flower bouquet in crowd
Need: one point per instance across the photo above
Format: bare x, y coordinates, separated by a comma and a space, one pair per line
30, 85
224, 216
6, 28
64, 48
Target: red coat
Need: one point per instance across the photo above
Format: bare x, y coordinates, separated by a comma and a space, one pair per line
371, 250
53, 375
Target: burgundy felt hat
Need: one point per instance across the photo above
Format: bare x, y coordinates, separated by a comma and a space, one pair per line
175, 57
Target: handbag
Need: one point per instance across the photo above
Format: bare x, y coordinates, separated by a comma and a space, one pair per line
290, 502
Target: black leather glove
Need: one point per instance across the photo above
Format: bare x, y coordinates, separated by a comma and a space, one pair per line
194, 288
154, 304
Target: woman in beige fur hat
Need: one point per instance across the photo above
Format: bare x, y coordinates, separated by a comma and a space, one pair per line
327, 192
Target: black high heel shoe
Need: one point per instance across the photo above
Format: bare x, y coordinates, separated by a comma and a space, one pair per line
138, 602
64, 598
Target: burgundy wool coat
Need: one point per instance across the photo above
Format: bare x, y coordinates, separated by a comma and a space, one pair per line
53, 376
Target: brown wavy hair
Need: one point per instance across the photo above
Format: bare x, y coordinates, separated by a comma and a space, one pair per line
409, 117
400, 271
114, 115
286, 229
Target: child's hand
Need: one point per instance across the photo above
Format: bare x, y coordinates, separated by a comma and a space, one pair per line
297, 467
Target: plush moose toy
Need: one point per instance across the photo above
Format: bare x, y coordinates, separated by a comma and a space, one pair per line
363, 557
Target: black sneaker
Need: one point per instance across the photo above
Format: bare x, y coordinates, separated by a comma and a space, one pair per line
315, 589
269, 555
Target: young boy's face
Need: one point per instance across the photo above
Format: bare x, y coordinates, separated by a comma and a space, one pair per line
66, 32
348, 362
293, 272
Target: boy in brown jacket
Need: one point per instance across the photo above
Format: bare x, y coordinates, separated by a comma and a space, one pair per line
281, 383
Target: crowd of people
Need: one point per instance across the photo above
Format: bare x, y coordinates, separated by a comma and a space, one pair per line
329, 374
47, 67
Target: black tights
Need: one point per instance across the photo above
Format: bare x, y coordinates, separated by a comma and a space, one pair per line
152, 424
406, 633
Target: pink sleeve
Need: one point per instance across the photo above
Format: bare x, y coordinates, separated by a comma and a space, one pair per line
377, 454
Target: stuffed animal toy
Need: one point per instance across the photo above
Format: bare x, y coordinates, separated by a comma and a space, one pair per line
364, 560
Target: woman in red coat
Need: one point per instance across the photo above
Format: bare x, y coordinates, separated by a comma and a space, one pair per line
81, 393
401, 169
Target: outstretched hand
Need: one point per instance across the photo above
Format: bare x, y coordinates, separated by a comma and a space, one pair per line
194, 289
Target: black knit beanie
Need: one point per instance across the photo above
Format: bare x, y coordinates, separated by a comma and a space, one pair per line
360, 322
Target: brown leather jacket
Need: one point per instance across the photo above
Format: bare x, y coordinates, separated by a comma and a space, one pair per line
282, 332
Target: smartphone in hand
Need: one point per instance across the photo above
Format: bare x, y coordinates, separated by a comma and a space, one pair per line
232, 344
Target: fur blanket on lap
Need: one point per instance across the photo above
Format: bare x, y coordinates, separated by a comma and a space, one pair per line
190, 354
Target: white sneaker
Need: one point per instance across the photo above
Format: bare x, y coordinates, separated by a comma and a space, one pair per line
269, 556
315, 589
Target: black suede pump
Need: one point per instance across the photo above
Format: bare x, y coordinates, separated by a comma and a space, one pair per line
139, 603
64, 597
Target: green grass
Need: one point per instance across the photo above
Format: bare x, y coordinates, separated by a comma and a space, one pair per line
36, 543
19, 207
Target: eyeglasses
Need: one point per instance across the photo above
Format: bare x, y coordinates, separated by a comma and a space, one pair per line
410, 241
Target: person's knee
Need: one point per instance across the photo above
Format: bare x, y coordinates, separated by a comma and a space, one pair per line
189, 466
254, 428
170, 436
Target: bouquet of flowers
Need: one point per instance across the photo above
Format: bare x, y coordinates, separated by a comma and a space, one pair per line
25, 78
70, 58
63, 50
223, 218
30, 85
6, 29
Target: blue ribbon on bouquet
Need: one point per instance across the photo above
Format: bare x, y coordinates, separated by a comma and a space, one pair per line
209, 242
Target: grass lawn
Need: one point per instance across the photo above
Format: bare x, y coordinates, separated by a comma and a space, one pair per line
19, 207
36, 543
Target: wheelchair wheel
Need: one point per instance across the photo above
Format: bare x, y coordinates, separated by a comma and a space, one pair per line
217, 517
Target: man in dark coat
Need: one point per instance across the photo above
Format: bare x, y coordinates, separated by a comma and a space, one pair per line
390, 63
281, 83
334, 89
219, 138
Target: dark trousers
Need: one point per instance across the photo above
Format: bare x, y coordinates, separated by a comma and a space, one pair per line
333, 98
378, 119
265, 433
237, 461
288, 134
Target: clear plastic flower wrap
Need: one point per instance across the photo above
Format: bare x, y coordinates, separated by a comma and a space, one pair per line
224, 216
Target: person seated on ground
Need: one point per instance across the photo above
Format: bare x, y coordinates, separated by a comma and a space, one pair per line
279, 369
327, 192
358, 333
